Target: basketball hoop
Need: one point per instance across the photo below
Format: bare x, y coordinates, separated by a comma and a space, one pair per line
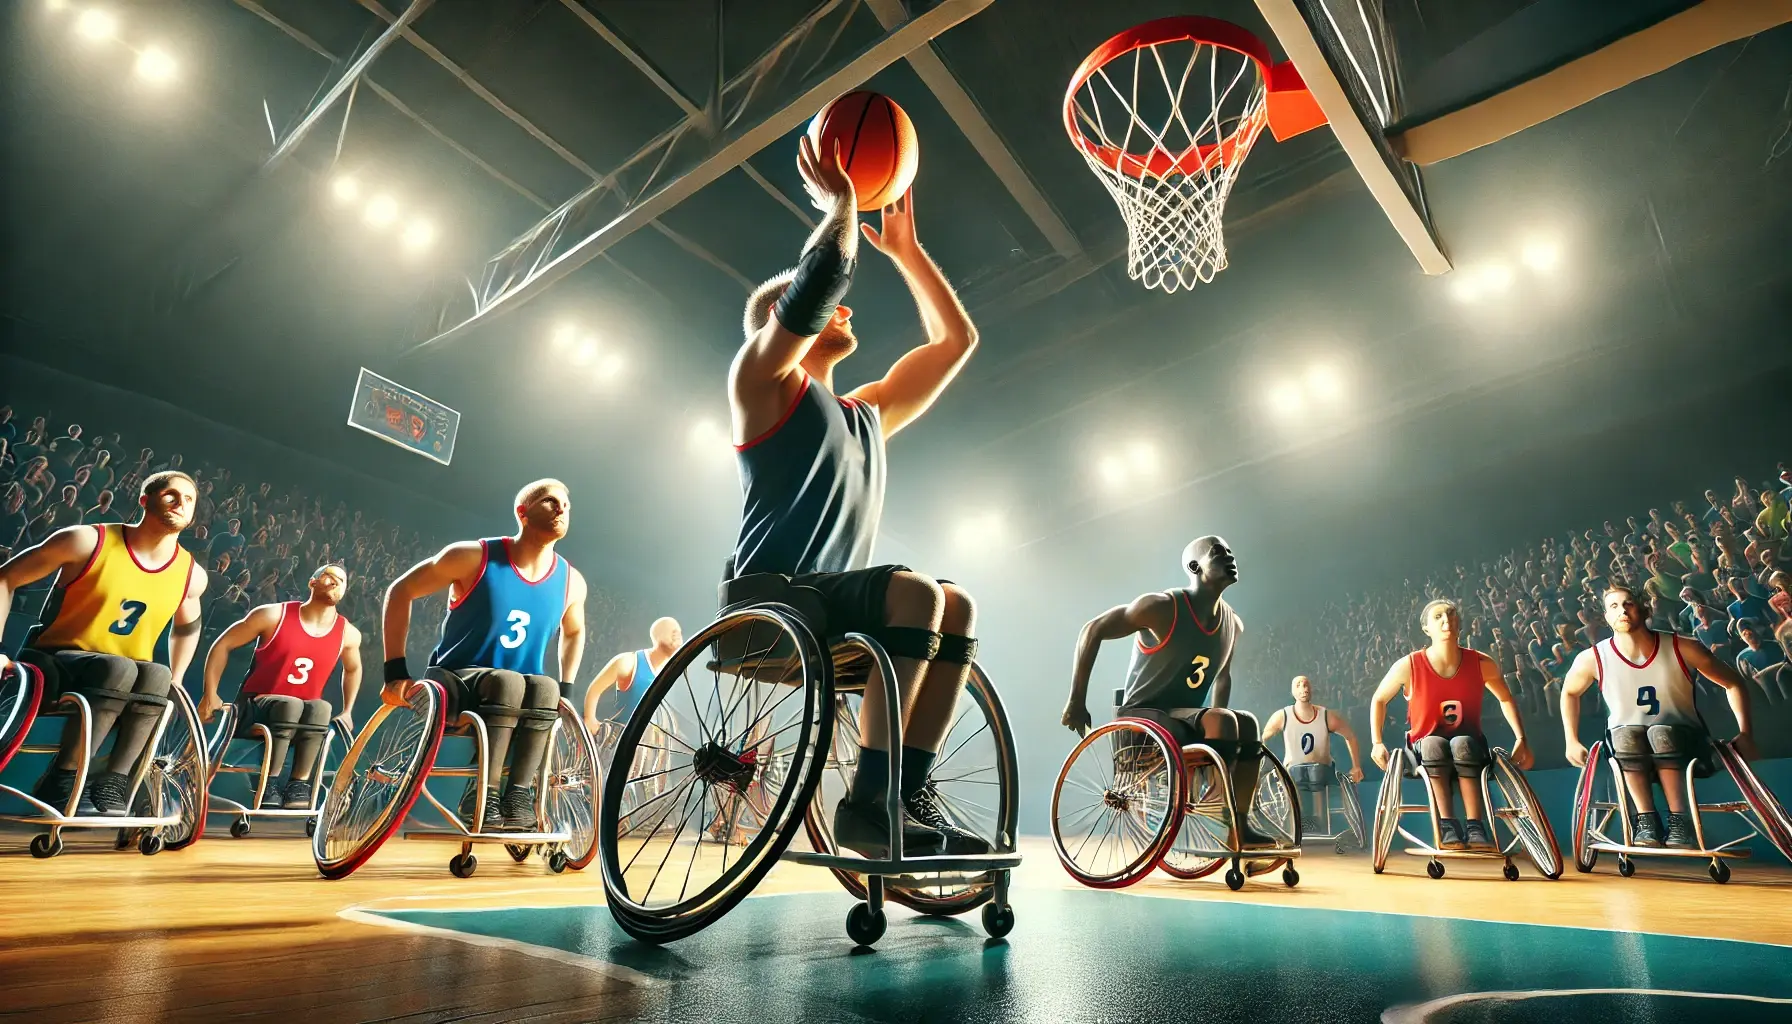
1167, 131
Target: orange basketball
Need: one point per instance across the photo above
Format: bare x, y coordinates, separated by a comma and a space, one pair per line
877, 143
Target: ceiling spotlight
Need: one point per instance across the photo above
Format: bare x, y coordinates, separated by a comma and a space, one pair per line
610, 367
55, 5
418, 234
345, 188
1142, 456
1541, 254
981, 532
1323, 382
1285, 398
584, 353
705, 438
1464, 286
154, 65
1113, 471
1496, 277
564, 336
381, 211
96, 24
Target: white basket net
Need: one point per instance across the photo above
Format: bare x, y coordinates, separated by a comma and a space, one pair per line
1166, 127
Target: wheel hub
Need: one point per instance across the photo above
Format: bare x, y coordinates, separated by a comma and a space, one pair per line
720, 766
1117, 801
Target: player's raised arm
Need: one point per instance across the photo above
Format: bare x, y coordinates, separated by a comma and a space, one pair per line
1399, 675
454, 564
1154, 612
1583, 675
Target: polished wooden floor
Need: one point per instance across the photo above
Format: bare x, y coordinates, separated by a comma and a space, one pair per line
240, 929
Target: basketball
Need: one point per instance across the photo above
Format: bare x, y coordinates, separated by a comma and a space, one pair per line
877, 144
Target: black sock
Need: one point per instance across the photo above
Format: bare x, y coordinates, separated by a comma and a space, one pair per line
916, 766
872, 778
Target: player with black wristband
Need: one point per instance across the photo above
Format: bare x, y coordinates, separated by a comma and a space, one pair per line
812, 468
506, 595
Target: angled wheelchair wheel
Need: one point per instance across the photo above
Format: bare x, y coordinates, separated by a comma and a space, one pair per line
217, 740
572, 784
179, 775
1387, 810
1353, 812
1275, 812
1587, 806
1516, 804
378, 780
973, 781
1118, 803
1768, 813
1206, 824
21, 693
731, 736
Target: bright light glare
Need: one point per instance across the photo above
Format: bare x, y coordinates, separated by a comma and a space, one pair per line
1113, 471
1542, 254
418, 234
96, 24
1142, 455
1496, 277
706, 438
56, 5
1324, 382
610, 367
1285, 398
1474, 283
381, 211
345, 188
564, 336
982, 531
585, 353
154, 65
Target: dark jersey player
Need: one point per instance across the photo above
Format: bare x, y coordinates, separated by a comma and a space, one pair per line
812, 469
1181, 671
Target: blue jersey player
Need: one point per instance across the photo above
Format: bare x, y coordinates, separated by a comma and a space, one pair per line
506, 597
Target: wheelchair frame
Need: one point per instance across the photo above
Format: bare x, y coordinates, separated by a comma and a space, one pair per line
1389, 810
218, 748
146, 830
1355, 829
1757, 807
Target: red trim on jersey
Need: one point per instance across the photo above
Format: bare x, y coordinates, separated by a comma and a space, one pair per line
485, 557
1647, 660
1218, 616
1162, 640
515, 568
1598, 664
1684, 667
800, 392
98, 546
1294, 714
126, 537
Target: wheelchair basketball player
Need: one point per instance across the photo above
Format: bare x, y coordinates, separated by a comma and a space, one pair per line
1443, 685
1653, 724
1307, 730
1180, 675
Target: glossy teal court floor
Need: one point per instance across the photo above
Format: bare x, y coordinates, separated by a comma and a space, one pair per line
1082, 955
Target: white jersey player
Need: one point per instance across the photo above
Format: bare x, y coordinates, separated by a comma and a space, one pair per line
1306, 730
1653, 725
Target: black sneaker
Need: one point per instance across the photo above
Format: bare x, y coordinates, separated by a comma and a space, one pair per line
1251, 839
924, 809
519, 808
1646, 830
1449, 834
109, 792
54, 789
298, 795
273, 796
864, 829
1680, 835
1475, 831
494, 812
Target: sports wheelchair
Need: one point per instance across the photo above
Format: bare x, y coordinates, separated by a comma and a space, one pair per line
1129, 799
386, 770
217, 746
167, 790
1517, 809
1339, 811
750, 732
1601, 797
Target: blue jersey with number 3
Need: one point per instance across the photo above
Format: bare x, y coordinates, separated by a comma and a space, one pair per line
504, 621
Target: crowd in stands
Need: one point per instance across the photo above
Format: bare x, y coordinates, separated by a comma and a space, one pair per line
1720, 572
260, 539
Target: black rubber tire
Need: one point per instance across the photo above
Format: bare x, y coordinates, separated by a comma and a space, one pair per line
310, 827
1290, 877
517, 853
1434, 868
43, 846
1720, 872
864, 925
150, 844
1234, 879
997, 921
1511, 872
557, 861
1626, 866
463, 865
239, 828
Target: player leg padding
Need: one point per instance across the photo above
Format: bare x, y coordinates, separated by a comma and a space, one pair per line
1435, 758
1630, 745
541, 697
1469, 753
1674, 744
315, 715
1250, 743
910, 642
140, 715
959, 650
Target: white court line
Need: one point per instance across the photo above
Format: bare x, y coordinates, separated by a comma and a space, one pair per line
615, 972
1421, 1012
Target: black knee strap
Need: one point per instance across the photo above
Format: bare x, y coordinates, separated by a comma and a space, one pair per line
537, 719
499, 712
1250, 748
910, 642
959, 650
123, 696
1227, 749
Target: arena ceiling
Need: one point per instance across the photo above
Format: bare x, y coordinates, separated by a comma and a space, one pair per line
151, 235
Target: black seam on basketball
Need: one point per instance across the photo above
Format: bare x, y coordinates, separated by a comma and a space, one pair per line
864, 112
895, 150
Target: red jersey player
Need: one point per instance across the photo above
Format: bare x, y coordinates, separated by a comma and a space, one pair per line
297, 647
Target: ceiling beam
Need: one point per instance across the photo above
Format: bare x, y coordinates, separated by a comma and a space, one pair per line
982, 136
768, 109
349, 78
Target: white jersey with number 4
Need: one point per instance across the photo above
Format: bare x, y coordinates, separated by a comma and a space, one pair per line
1658, 691
1305, 742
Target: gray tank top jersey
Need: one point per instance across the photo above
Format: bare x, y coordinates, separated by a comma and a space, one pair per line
1180, 670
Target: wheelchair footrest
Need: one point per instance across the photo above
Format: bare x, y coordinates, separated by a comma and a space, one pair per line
511, 838
964, 864
91, 820
1739, 853
1428, 852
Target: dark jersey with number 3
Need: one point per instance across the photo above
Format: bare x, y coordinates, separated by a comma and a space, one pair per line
1180, 669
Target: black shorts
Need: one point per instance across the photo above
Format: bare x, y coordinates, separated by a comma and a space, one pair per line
254, 708
853, 601
1184, 724
77, 671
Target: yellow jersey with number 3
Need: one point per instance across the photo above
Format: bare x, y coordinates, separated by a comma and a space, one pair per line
115, 604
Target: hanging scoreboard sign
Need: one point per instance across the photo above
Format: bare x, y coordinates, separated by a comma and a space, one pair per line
397, 415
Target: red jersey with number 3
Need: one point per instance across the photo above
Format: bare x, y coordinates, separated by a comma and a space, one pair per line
1444, 706
294, 663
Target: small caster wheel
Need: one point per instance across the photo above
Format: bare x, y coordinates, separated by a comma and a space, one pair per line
310, 827
44, 845
557, 862
239, 828
1510, 871
517, 853
1720, 872
463, 865
1338, 849
1290, 877
125, 838
150, 844
997, 921
1626, 866
1434, 868
864, 925
1234, 879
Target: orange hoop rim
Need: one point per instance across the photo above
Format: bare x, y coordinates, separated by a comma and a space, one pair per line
1190, 28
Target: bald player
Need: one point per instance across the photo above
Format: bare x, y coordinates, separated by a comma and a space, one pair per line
1307, 746
1181, 671
1443, 685
617, 690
